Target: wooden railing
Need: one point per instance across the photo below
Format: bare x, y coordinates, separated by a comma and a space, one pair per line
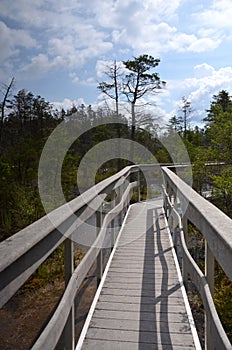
183, 204
24, 252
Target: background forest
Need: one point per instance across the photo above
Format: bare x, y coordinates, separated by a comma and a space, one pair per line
30, 120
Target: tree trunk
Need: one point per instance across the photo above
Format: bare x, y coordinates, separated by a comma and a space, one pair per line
118, 126
3, 105
132, 132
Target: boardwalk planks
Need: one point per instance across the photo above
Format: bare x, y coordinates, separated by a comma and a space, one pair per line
141, 304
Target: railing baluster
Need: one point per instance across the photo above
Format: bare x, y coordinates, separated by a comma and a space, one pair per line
119, 199
99, 258
185, 230
139, 185
209, 274
165, 202
113, 198
175, 222
175, 232
69, 330
209, 267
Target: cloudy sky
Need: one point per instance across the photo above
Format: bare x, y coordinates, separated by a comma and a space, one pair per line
58, 48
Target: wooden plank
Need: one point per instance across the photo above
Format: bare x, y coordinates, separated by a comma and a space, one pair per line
133, 284
141, 337
97, 344
137, 300
140, 291
142, 316
128, 306
137, 325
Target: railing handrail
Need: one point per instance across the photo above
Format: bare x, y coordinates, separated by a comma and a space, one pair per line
15, 246
33, 244
199, 279
11, 249
56, 324
215, 226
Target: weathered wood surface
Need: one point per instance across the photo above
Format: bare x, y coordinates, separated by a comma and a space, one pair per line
141, 304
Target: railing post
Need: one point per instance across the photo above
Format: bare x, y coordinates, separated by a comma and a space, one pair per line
175, 232
184, 267
165, 199
171, 220
175, 223
209, 274
165, 206
99, 257
69, 330
169, 191
121, 211
139, 185
113, 198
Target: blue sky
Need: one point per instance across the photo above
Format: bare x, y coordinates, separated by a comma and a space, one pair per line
58, 48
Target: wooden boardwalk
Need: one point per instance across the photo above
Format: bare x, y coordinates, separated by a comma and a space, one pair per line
140, 302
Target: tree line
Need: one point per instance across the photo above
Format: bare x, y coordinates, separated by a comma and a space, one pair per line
30, 120
25, 129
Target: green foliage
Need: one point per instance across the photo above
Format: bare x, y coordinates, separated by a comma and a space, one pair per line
222, 191
199, 175
25, 129
29, 122
219, 126
47, 272
140, 80
223, 299
221, 103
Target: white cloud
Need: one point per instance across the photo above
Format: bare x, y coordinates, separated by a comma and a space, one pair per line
207, 81
162, 38
204, 44
70, 33
164, 9
103, 67
65, 37
147, 26
89, 81
38, 66
203, 70
132, 13
68, 103
69, 52
41, 13
218, 16
12, 39
215, 79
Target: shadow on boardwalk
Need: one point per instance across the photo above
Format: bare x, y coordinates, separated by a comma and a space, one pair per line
154, 321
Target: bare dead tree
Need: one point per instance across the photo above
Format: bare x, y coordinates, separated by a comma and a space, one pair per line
112, 90
5, 91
